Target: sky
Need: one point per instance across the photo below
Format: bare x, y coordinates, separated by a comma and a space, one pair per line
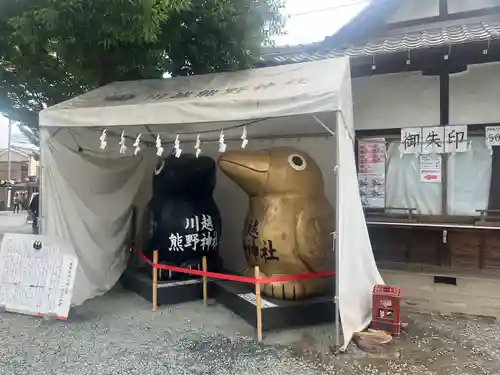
313, 20
308, 21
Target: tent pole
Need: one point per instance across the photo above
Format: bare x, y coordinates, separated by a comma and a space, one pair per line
9, 158
40, 187
336, 171
9, 165
337, 232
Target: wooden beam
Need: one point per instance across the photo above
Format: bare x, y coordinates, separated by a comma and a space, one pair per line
444, 114
427, 22
396, 132
443, 8
431, 60
444, 98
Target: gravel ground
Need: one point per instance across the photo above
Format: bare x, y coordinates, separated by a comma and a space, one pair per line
432, 344
14, 223
119, 334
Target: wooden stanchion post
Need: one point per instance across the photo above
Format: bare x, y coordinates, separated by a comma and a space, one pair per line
155, 280
258, 304
204, 280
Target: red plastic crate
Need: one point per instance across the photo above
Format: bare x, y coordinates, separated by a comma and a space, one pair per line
386, 310
390, 327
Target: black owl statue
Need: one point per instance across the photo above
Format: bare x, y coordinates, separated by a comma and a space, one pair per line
185, 221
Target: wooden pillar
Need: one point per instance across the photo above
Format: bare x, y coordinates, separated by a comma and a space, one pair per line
155, 280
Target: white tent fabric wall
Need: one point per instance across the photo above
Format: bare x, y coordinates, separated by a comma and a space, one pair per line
87, 200
357, 270
87, 193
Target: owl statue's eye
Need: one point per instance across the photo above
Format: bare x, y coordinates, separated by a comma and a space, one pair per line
297, 162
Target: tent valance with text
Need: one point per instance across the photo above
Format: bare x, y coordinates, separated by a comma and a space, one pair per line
251, 94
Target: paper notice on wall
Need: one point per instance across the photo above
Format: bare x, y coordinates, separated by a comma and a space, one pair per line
250, 297
492, 136
411, 141
430, 168
433, 140
37, 275
371, 172
456, 139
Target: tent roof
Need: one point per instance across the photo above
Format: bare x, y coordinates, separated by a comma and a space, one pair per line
265, 93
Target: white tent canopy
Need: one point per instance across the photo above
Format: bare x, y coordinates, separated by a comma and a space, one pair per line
87, 193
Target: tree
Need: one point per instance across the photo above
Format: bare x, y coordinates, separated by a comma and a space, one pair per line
52, 50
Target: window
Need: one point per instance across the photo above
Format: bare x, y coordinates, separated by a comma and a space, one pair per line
469, 178
24, 172
466, 176
403, 188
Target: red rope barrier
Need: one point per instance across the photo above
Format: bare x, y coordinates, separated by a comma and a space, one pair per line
241, 279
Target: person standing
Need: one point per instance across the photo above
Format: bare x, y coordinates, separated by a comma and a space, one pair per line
34, 210
16, 203
24, 201
21, 201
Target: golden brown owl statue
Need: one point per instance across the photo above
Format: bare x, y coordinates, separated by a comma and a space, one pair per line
289, 221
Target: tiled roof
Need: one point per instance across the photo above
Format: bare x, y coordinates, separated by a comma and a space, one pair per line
434, 36
27, 152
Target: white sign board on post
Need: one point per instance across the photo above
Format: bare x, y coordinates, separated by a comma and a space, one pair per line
37, 275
